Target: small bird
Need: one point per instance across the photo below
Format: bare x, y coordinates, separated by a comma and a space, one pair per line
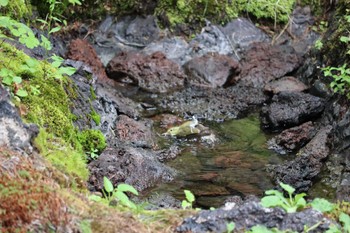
185, 129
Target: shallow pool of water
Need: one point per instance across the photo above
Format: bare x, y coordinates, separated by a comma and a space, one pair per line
234, 166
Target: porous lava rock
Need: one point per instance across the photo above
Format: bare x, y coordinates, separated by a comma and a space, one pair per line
288, 109
211, 70
287, 83
292, 139
250, 214
135, 166
264, 62
153, 73
301, 171
81, 50
137, 133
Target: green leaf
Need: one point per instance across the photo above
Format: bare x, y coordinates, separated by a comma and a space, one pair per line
230, 227
4, 2
124, 199
67, 70
57, 61
345, 219
17, 79
185, 204
45, 43
95, 198
7, 80
271, 201
322, 205
127, 188
55, 29
107, 184
288, 188
345, 39
22, 93
189, 196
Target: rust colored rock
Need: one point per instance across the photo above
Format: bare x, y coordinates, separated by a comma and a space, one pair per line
211, 70
81, 50
293, 139
153, 73
264, 62
135, 132
288, 83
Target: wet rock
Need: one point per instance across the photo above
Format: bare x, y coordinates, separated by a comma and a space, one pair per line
81, 50
175, 49
300, 172
129, 34
264, 62
14, 133
288, 83
242, 33
137, 133
211, 70
93, 111
250, 214
168, 120
215, 105
168, 154
289, 109
231, 160
135, 166
153, 73
342, 130
292, 139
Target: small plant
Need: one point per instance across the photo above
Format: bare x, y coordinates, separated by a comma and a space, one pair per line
263, 229
318, 44
110, 193
188, 203
230, 227
341, 78
93, 154
13, 81
290, 204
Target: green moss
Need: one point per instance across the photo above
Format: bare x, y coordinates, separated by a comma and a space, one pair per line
17, 9
182, 11
92, 93
92, 139
95, 117
62, 155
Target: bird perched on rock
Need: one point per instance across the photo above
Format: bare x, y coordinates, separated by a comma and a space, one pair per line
185, 129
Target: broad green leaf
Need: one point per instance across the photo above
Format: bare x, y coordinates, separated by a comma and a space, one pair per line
271, 201
189, 196
74, 2
185, 204
127, 188
322, 205
345, 219
333, 229
17, 79
230, 227
287, 187
7, 81
67, 70
107, 184
124, 200
22, 93
260, 229
4, 2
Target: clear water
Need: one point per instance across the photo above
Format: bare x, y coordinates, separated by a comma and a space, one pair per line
234, 166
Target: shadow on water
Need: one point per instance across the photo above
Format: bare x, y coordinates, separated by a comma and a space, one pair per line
234, 166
